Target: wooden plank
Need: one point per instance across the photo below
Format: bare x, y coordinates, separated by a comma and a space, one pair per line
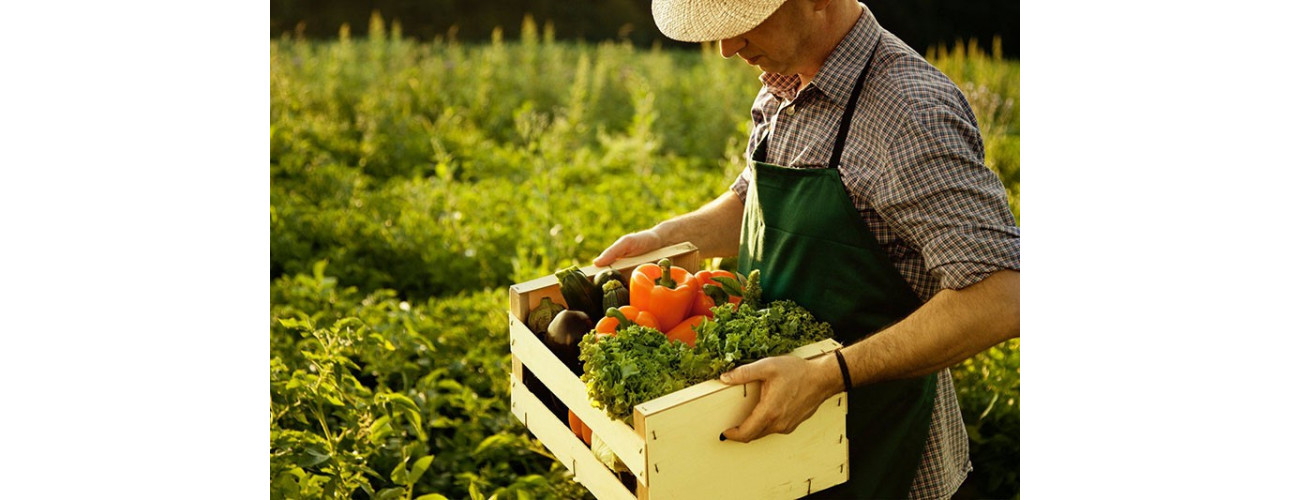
620, 438
566, 447
705, 388
678, 253
642, 480
687, 460
690, 261
527, 301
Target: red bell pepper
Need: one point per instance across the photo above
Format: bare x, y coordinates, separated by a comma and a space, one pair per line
665, 291
712, 292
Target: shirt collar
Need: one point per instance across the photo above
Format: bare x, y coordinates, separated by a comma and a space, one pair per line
837, 76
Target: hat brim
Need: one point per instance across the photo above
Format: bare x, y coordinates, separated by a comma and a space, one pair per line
710, 20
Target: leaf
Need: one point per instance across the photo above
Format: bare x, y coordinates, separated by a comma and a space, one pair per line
286, 486
319, 268
389, 494
347, 323
400, 473
492, 441
729, 286
419, 467
313, 457
380, 429
474, 492
432, 496
399, 400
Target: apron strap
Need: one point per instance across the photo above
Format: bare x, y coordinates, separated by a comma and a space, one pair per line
844, 126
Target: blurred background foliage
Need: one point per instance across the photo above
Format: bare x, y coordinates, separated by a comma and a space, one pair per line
412, 181
923, 24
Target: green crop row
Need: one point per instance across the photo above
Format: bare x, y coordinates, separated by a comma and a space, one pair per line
412, 182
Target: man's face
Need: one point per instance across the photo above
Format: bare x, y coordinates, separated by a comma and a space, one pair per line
777, 44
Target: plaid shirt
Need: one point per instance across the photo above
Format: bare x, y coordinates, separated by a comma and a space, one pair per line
914, 166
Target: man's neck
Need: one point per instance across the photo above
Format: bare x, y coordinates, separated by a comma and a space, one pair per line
841, 16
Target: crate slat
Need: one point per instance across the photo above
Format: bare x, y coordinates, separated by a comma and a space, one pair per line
565, 446
704, 388
620, 438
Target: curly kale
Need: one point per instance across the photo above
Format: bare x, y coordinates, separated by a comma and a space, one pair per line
640, 364
741, 336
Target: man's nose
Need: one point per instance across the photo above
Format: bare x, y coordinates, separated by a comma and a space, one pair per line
730, 47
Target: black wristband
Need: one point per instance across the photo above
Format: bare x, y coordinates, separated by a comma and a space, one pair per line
846, 373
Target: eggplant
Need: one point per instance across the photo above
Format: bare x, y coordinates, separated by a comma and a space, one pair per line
563, 335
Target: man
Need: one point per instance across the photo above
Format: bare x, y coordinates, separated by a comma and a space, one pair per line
867, 201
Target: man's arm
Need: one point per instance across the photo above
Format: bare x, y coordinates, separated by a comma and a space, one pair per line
713, 228
951, 327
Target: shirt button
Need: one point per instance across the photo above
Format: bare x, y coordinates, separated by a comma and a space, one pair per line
789, 110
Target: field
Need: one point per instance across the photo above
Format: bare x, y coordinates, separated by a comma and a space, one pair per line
412, 182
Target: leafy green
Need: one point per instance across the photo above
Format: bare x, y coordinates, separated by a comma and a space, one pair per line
743, 335
636, 365
640, 364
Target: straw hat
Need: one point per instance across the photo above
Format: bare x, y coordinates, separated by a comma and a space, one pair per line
709, 20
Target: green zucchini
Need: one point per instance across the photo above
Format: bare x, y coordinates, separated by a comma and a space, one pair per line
579, 293
615, 295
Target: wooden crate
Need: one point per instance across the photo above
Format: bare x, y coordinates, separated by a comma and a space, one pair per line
672, 448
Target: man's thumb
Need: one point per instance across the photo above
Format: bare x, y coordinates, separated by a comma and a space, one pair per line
741, 375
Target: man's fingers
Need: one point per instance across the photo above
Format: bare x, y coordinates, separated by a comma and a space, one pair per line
605, 258
628, 246
747, 373
752, 427
611, 254
755, 425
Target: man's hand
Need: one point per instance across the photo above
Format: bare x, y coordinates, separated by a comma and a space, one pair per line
630, 245
714, 228
792, 389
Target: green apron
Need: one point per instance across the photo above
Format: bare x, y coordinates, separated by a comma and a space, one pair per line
802, 231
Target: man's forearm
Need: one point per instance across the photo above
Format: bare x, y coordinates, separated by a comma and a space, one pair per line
714, 227
951, 327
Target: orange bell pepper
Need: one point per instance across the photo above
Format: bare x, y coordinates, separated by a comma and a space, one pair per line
713, 293
685, 330
665, 291
617, 318
579, 428
575, 424
703, 304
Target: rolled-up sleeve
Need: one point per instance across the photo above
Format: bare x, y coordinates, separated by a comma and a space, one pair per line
740, 186
940, 197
